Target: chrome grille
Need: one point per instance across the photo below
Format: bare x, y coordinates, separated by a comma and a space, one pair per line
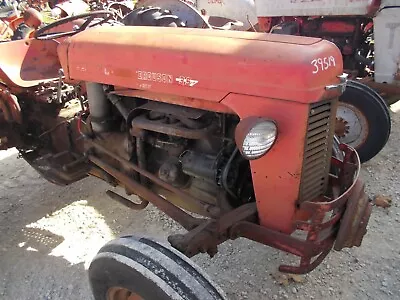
317, 150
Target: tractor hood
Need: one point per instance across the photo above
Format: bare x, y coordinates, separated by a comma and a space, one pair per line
200, 62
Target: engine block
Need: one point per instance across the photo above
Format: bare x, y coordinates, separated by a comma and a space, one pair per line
190, 149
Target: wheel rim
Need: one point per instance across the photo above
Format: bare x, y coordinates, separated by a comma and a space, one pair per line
351, 125
119, 293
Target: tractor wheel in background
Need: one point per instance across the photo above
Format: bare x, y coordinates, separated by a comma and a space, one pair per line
152, 16
131, 268
363, 120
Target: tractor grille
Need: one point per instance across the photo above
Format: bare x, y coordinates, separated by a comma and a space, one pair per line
318, 150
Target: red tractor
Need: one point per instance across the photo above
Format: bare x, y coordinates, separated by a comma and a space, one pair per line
232, 139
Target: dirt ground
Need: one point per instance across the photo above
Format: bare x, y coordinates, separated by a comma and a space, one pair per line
48, 236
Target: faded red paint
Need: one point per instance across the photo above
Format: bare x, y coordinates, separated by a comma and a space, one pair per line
16, 22
337, 26
276, 176
26, 63
233, 62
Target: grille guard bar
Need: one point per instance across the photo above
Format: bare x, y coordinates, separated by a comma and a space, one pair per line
350, 210
345, 227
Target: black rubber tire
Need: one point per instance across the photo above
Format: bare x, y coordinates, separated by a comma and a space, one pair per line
377, 114
151, 270
152, 16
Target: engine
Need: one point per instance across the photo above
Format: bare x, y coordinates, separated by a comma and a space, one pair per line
191, 149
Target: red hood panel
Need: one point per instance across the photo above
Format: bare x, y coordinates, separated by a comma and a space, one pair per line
192, 62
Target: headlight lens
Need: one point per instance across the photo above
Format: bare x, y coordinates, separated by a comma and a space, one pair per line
255, 137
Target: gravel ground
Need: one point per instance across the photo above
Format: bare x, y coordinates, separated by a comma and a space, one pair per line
49, 235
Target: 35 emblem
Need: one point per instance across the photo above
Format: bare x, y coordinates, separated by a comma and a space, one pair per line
186, 81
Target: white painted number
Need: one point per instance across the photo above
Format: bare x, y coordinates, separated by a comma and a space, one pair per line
323, 64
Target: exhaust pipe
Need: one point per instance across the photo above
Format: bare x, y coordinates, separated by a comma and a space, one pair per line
100, 108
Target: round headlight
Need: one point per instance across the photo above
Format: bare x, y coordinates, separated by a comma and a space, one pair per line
255, 136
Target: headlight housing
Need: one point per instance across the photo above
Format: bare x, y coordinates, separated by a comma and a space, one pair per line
255, 136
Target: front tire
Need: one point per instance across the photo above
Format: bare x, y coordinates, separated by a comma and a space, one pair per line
139, 268
363, 120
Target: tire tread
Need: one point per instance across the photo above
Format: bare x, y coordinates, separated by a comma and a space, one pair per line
165, 265
374, 108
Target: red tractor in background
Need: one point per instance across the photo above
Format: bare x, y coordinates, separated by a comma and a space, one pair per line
372, 61
20, 20
10, 18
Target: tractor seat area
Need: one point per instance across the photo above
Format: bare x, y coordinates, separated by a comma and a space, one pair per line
26, 63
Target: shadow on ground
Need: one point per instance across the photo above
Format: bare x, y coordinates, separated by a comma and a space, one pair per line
49, 234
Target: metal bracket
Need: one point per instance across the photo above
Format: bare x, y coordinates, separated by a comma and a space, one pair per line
341, 86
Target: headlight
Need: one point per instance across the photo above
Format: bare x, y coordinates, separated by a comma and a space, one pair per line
255, 136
